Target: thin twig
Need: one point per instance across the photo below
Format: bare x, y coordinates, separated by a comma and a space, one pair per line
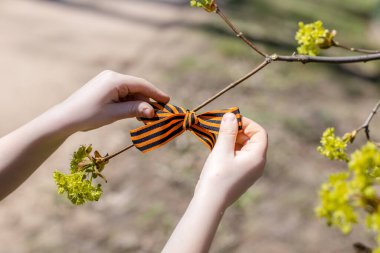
238, 33
352, 49
365, 126
232, 85
326, 59
109, 157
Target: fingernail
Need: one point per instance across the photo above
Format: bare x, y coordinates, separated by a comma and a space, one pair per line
229, 117
146, 112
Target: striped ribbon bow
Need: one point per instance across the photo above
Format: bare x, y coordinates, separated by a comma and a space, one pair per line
171, 121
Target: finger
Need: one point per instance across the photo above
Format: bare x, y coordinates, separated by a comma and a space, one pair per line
135, 97
130, 109
135, 85
225, 143
258, 137
141, 97
250, 128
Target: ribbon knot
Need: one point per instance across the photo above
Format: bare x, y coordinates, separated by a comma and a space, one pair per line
190, 119
170, 121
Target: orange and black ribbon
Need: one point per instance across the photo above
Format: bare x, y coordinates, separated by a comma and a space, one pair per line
170, 121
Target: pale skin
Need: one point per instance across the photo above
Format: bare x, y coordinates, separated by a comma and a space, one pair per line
108, 97
236, 162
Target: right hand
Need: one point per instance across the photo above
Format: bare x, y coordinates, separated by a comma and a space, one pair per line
236, 162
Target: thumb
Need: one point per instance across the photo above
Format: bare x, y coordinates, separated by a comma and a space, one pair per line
130, 109
227, 134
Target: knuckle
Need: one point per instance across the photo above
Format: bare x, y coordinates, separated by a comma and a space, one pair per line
140, 107
145, 82
109, 74
141, 80
135, 108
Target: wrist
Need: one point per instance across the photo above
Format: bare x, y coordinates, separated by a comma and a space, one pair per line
210, 198
68, 118
55, 123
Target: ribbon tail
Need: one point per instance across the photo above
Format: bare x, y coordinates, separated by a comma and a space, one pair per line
204, 136
211, 120
157, 134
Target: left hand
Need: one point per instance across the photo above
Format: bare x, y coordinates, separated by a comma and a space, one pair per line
109, 97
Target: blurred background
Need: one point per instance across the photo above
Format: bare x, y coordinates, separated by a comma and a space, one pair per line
50, 48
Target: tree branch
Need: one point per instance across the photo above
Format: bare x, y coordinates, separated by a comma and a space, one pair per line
238, 33
326, 59
234, 84
370, 56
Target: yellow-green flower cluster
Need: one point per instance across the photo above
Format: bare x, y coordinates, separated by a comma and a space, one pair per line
373, 223
333, 147
365, 166
336, 203
313, 37
365, 163
208, 5
345, 194
79, 190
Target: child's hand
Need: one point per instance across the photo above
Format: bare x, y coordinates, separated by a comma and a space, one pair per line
236, 162
109, 97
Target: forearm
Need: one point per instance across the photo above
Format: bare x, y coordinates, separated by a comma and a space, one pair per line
196, 230
25, 149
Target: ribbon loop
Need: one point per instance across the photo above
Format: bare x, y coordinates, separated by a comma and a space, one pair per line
170, 121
